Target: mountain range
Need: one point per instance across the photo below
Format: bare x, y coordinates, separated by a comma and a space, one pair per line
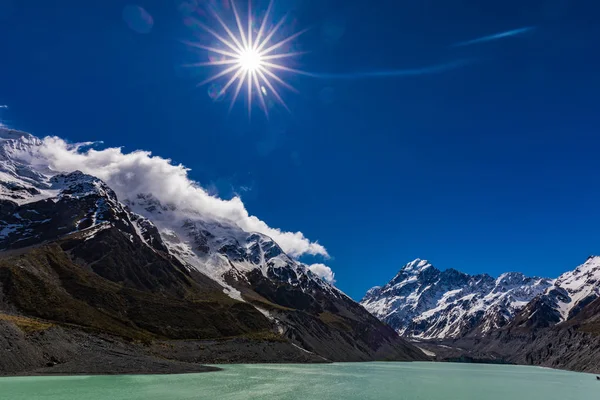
512, 318
92, 277
129, 274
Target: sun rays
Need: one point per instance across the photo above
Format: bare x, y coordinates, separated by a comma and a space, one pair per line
248, 58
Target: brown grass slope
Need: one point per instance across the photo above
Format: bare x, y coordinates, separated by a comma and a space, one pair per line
45, 283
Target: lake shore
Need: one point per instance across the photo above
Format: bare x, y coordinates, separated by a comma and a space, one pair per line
135, 366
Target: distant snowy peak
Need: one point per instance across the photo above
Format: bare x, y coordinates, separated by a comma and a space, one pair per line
19, 181
16, 142
373, 292
416, 266
582, 286
569, 294
422, 301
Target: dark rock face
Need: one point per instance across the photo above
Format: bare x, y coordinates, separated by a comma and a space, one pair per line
16, 191
571, 293
573, 344
148, 232
545, 315
83, 202
199, 236
562, 347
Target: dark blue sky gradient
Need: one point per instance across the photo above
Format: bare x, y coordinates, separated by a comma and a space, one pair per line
489, 167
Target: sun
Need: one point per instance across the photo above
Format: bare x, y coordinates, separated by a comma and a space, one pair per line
250, 60
249, 57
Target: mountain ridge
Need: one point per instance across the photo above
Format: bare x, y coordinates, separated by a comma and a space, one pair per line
571, 292
424, 302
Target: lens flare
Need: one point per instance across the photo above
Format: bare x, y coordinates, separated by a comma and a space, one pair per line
248, 60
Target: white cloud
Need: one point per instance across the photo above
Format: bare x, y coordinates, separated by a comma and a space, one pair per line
139, 172
323, 271
1, 107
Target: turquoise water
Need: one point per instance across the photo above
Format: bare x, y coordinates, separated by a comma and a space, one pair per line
347, 381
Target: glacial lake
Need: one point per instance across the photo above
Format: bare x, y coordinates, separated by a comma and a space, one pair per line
347, 381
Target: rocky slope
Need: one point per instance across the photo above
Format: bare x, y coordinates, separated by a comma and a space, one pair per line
565, 299
573, 344
426, 303
75, 257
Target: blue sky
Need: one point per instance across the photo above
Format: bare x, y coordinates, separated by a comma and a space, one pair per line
487, 167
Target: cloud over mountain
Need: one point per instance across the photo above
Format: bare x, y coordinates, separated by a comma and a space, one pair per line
130, 174
323, 271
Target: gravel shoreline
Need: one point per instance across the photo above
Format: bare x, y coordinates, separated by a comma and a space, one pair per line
65, 351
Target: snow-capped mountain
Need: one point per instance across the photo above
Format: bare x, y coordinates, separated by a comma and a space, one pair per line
217, 248
224, 251
20, 182
423, 302
38, 204
569, 294
184, 252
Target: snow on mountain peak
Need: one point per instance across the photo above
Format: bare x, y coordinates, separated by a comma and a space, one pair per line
373, 291
76, 184
19, 181
18, 138
417, 265
424, 302
574, 289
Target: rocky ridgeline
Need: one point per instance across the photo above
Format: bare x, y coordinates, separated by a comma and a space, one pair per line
423, 302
